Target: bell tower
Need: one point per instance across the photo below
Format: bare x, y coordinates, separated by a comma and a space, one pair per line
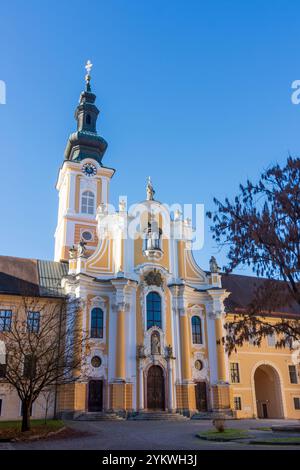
83, 182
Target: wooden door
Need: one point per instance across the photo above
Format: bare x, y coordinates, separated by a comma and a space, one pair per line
95, 400
201, 396
155, 389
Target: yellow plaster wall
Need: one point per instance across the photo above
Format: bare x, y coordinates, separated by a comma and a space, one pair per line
139, 258
249, 357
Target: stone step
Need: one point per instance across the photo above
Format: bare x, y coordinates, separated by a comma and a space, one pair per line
210, 415
157, 416
101, 416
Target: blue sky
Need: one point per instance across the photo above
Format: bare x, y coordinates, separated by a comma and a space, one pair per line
195, 94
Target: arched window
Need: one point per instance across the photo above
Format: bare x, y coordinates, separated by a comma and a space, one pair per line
88, 119
153, 310
97, 323
88, 202
196, 330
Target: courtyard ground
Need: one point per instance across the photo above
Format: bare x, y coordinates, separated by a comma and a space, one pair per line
147, 435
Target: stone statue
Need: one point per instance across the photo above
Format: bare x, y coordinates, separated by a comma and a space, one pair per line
141, 351
213, 265
150, 190
72, 252
155, 344
81, 249
169, 352
122, 205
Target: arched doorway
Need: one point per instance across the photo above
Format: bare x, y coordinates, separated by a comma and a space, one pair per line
268, 392
155, 388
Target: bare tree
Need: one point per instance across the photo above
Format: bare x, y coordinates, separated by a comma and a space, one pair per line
261, 228
48, 396
44, 344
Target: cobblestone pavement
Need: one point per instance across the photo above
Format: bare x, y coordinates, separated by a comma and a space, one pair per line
147, 435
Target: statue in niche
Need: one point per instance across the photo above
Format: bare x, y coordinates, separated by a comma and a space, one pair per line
155, 343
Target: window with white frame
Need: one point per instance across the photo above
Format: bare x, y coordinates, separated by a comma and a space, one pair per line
88, 203
237, 403
234, 373
33, 322
271, 340
97, 323
154, 310
293, 374
196, 330
5, 320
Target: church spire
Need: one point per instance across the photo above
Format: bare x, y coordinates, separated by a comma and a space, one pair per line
86, 142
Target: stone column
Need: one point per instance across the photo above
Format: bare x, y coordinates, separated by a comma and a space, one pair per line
141, 388
170, 383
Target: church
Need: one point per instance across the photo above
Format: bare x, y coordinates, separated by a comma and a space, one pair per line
153, 317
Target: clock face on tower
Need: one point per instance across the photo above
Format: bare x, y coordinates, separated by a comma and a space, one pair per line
89, 169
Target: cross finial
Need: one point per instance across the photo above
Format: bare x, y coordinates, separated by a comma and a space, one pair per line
88, 68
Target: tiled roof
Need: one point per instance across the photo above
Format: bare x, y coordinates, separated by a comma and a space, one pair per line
242, 290
23, 276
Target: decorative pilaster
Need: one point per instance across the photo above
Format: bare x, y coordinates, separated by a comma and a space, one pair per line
220, 385
120, 388
185, 346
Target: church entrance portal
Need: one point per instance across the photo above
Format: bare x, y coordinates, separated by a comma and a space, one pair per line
155, 389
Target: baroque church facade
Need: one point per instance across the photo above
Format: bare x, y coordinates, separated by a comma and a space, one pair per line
153, 318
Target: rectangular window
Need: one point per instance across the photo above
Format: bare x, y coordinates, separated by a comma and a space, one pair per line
297, 403
29, 371
0, 406
271, 340
33, 322
237, 403
293, 374
5, 320
2, 369
234, 373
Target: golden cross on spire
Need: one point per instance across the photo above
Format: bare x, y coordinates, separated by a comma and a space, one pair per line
88, 68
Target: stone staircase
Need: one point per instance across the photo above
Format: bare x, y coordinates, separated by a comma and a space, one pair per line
210, 415
99, 416
157, 416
